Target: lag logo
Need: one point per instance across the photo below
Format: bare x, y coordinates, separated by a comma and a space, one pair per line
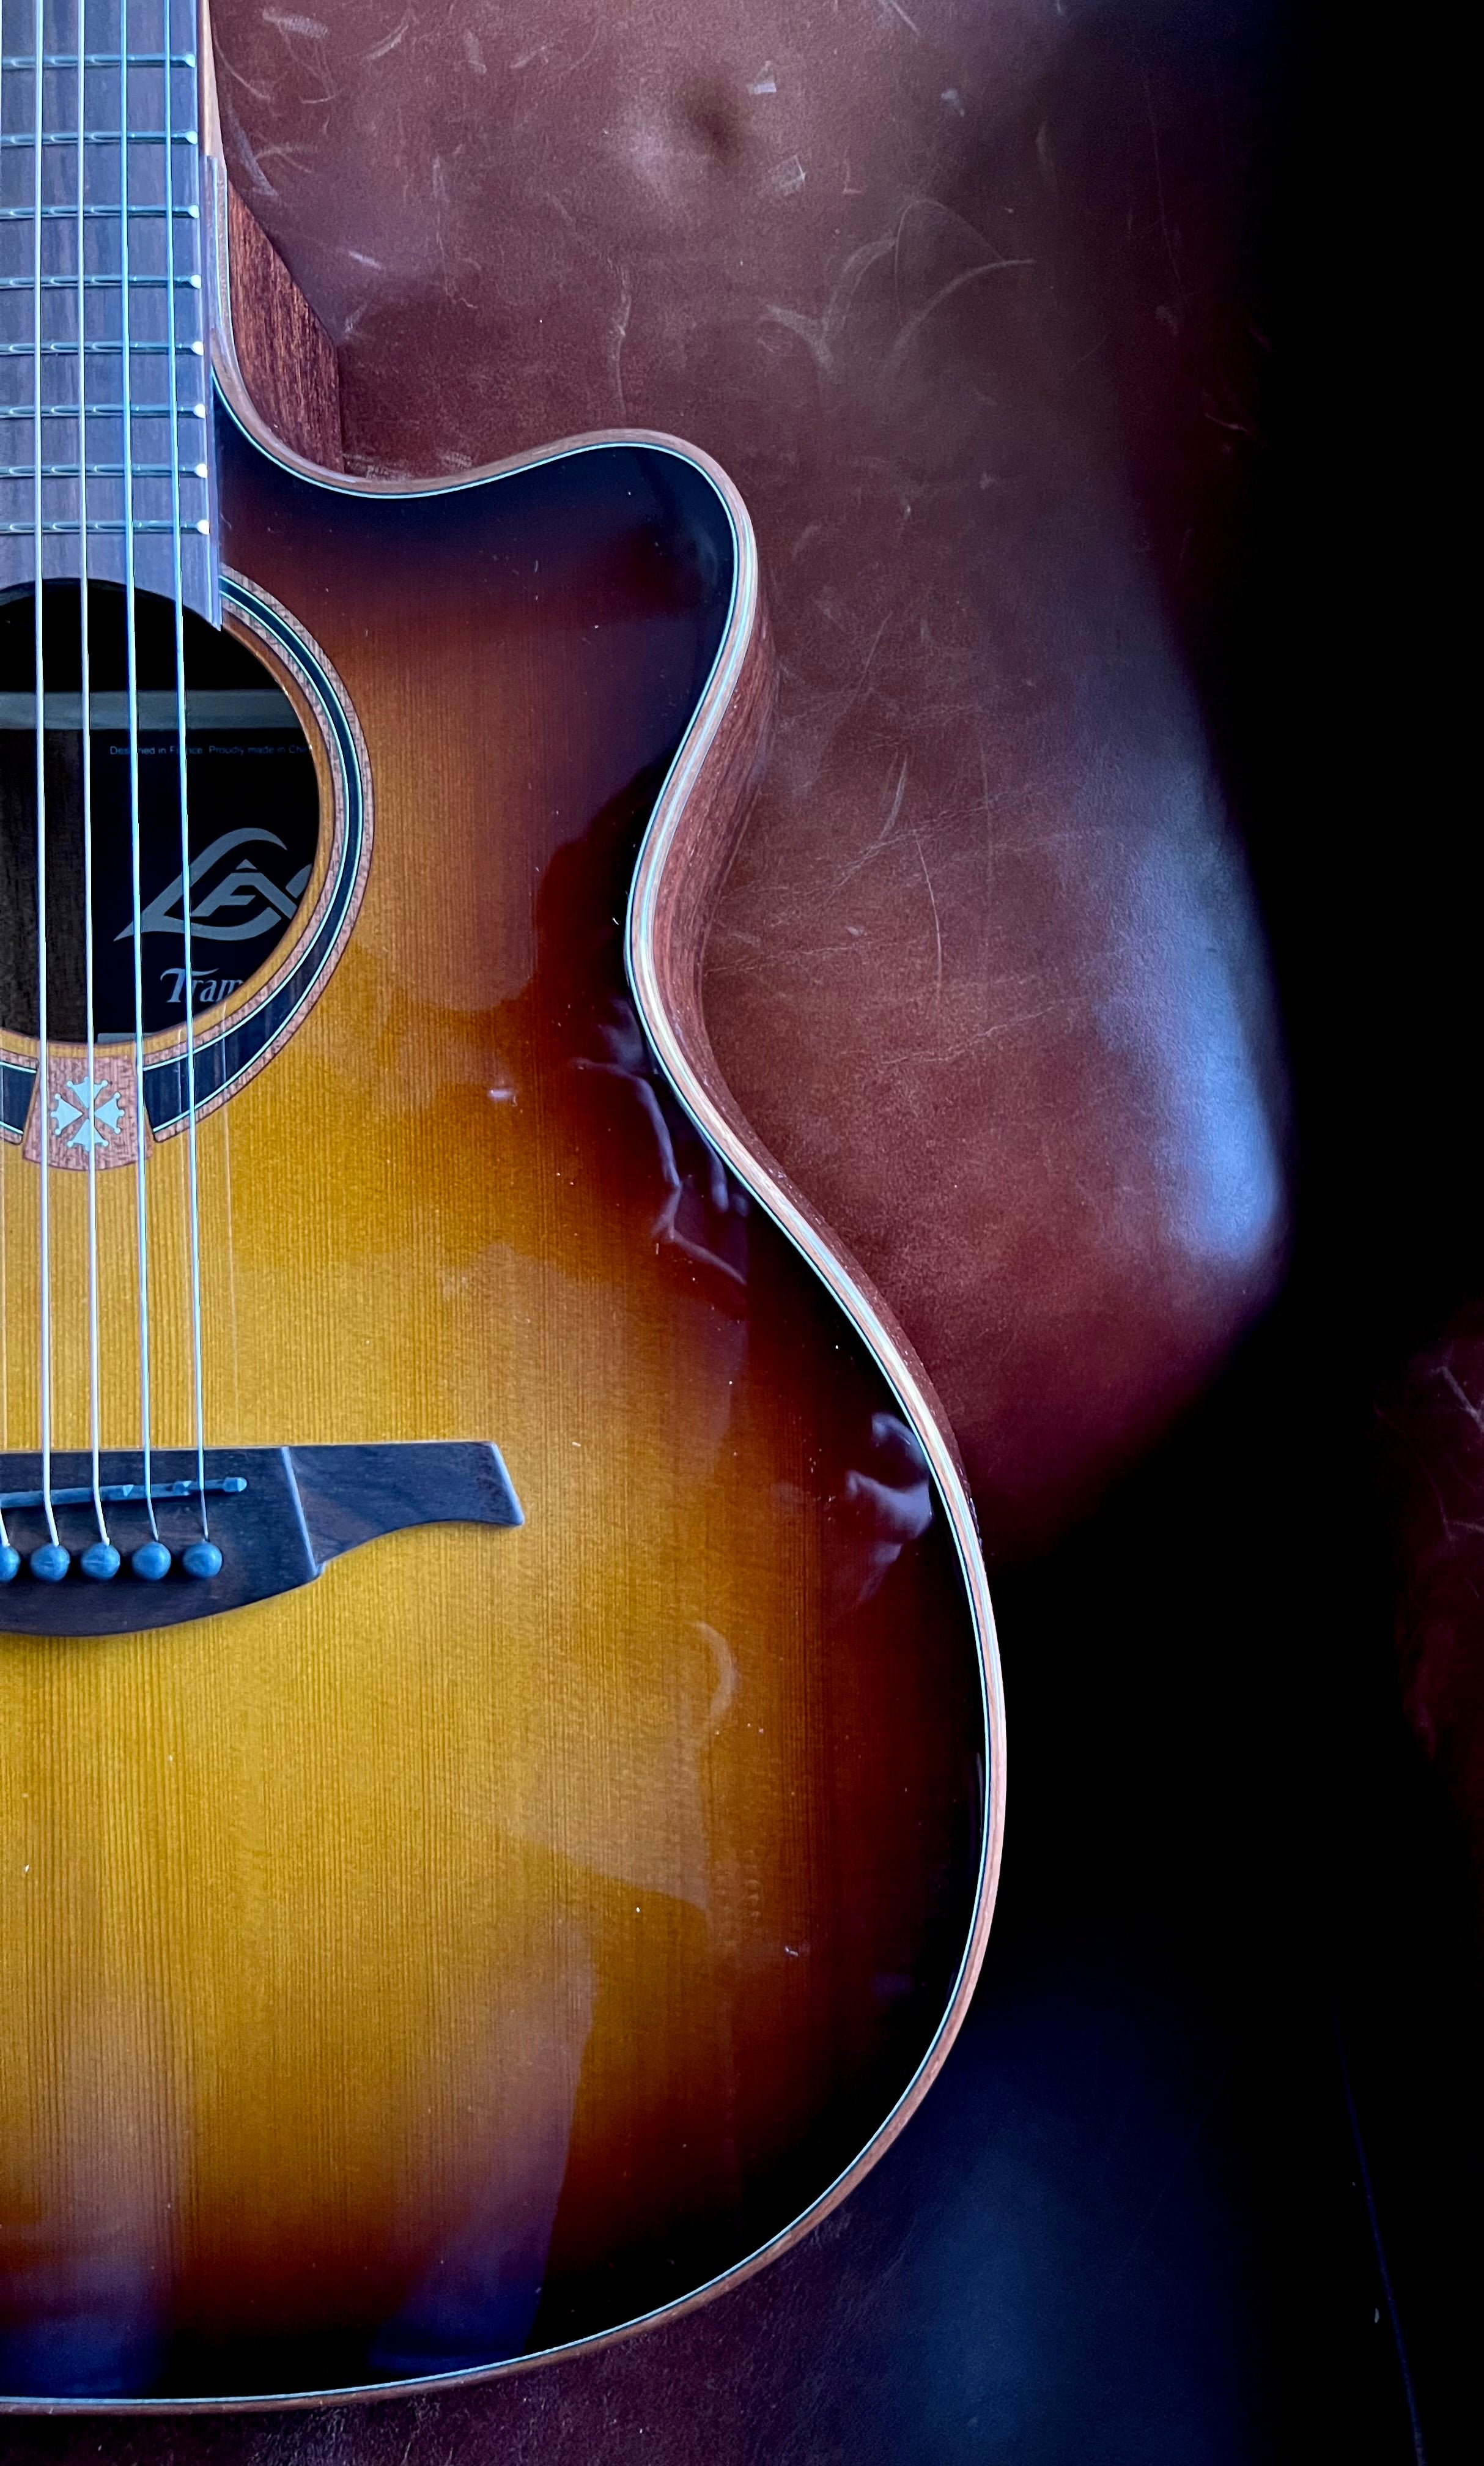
217, 911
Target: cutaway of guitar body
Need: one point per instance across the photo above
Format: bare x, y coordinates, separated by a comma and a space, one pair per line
513, 1934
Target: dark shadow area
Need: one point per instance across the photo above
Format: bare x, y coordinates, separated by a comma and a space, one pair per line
1292, 467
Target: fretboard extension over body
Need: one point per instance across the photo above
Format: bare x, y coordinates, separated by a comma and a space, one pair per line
103, 327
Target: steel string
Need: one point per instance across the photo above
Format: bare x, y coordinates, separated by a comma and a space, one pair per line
193, 1187
43, 1070
5, 1537
91, 1026
130, 609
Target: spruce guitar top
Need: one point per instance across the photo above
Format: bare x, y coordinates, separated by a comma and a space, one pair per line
501, 1766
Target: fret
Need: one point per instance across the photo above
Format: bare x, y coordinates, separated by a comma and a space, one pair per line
25, 63
93, 350
103, 470
28, 139
68, 282
103, 411
52, 530
97, 214
98, 283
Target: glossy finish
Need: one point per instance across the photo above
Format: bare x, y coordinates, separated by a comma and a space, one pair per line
515, 1931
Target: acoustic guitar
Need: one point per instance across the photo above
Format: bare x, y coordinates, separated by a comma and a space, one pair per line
500, 1753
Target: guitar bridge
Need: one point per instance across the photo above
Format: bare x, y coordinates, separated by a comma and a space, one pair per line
278, 1516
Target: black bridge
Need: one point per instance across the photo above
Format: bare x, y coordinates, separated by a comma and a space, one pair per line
278, 1515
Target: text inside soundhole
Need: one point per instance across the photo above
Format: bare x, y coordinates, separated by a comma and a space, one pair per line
253, 801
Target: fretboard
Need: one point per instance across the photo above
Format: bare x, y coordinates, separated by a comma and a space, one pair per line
105, 422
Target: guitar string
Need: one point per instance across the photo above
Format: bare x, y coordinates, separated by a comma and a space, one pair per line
5, 1537
131, 646
90, 1126
193, 1184
43, 1070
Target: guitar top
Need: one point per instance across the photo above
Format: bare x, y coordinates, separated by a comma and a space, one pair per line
501, 1766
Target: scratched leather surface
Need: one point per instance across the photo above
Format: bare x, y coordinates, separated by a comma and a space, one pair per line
955, 294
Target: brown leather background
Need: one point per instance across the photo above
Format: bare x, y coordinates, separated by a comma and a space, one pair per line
949, 292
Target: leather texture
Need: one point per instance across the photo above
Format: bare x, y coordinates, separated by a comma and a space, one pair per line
938, 294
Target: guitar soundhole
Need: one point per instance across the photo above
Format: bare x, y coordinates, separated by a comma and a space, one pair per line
253, 806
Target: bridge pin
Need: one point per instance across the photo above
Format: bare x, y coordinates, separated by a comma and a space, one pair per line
50, 1564
9, 1564
152, 1561
99, 1560
202, 1559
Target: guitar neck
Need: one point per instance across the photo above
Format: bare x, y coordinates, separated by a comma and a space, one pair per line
106, 434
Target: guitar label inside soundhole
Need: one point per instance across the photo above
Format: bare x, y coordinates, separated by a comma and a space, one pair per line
253, 801
280, 844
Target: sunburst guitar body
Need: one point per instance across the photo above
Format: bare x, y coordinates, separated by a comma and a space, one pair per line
501, 1761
